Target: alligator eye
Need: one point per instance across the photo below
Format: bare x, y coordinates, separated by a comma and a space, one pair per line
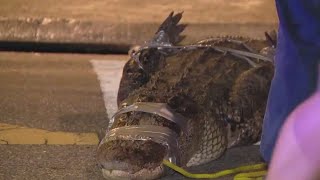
133, 50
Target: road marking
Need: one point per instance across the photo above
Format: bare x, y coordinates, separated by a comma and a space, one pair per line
109, 74
13, 134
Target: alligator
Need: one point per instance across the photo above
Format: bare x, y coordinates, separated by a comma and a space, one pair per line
186, 103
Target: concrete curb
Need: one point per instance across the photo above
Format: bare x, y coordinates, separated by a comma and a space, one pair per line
54, 30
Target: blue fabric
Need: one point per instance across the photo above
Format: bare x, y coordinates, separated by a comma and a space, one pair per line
296, 61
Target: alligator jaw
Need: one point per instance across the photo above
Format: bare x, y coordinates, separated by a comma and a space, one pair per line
131, 159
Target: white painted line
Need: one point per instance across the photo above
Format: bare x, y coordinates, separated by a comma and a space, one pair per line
109, 74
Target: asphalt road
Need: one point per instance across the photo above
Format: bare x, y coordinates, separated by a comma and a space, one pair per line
67, 93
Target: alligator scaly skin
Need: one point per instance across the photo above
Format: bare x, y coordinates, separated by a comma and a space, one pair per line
222, 96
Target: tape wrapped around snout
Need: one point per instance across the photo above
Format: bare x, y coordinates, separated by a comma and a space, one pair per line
160, 109
158, 134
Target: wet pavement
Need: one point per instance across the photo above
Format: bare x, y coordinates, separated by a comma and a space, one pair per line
62, 92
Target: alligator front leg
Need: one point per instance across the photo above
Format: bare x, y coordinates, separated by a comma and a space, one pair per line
248, 100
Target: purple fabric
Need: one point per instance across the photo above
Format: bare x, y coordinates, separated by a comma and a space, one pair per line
297, 56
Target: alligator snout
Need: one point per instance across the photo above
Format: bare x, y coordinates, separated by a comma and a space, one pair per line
131, 159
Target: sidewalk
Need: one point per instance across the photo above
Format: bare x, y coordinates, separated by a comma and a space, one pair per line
127, 22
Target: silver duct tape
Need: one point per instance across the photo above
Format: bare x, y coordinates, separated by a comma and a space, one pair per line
160, 109
158, 134
243, 53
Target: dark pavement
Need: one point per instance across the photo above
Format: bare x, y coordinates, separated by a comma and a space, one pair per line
78, 162
48, 162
